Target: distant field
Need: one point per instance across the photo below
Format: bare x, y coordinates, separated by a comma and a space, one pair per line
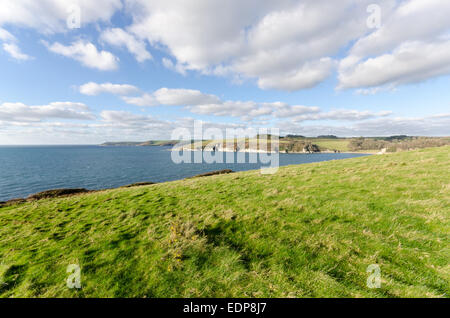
307, 231
338, 144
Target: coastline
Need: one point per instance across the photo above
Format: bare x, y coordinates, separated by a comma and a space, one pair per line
68, 191
368, 152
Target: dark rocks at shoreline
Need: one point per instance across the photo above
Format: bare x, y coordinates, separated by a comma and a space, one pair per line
48, 194
56, 193
212, 173
138, 184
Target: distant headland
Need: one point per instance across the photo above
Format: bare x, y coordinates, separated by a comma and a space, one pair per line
300, 144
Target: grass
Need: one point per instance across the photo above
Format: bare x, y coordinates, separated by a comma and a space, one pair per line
306, 231
337, 144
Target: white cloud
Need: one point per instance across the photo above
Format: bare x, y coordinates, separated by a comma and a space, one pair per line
172, 97
411, 46
179, 68
284, 45
6, 36
126, 118
19, 112
284, 110
119, 37
206, 104
410, 20
166, 96
375, 90
144, 100
308, 75
230, 108
15, 52
411, 62
92, 89
342, 115
50, 16
87, 54
419, 126
287, 45
10, 46
249, 111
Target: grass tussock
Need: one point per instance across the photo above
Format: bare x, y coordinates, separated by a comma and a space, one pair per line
306, 231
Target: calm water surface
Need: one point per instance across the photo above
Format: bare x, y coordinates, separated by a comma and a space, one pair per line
27, 170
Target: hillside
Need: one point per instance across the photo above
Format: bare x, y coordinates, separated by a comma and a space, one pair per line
300, 144
141, 143
307, 231
285, 144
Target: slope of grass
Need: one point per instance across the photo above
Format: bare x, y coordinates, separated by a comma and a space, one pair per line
306, 231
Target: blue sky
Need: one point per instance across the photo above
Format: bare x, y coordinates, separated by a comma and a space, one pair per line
306, 67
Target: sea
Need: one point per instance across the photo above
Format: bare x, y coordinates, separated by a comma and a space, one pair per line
25, 170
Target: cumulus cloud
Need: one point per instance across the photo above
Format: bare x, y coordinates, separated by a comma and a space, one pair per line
250, 110
6, 36
167, 96
92, 89
411, 46
409, 63
342, 115
19, 112
176, 67
14, 51
87, 54
10, 46
284, 110
308, 75
418, 126
50, 16
245, 110
121, 38
292, 45
405, 21
172, 97
284, 45
124, 118
206, 104
143, 100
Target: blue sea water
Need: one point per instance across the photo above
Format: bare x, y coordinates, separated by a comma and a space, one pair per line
31, 169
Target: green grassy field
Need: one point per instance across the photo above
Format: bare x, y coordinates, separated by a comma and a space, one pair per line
331, 144
307, 231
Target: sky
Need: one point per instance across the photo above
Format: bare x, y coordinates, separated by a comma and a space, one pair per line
86, 72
